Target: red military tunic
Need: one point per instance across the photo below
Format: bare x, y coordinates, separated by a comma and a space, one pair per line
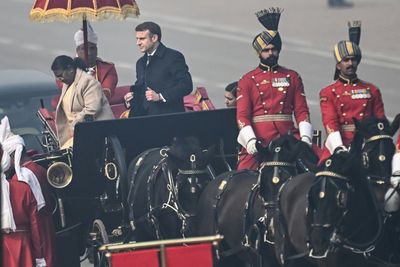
21, 248
105, 73
47, 230
344, 100
266, 100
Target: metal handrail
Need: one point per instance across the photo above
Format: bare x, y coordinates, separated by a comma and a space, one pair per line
114, 247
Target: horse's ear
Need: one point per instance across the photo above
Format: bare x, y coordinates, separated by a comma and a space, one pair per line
173, 157
394, 126
262, 150
357, 142
357, 124
209, 153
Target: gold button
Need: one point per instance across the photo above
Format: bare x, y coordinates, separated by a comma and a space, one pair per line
288, 75
333, 90
265, 111
338, 96
261, 93
264, 71
252, 77
355, 84
263, 103
275, 71
344, 114
257, 84
280, 112
281, 103
364, 105
284, 92
361, 114
345, 84
342, 105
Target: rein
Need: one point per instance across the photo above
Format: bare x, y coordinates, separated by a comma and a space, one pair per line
172, 202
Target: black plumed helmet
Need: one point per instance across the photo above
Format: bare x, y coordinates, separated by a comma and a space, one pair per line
355, 31
269, 18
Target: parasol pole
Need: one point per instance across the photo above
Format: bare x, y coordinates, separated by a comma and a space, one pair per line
85, 40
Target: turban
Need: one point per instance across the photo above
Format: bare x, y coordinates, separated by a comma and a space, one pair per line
15, 143
91, 35
345, 49
265, 38
269, 18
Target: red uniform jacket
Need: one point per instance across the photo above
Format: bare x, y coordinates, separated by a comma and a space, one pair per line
344, 100
47, 229
278, 91
21, 248
105, 73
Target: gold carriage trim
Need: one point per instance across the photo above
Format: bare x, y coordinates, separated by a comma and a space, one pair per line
276, 117
348, 128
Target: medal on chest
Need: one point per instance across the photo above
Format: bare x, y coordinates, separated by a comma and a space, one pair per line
360, 93
281, 82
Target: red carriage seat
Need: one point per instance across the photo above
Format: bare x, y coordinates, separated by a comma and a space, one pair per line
198, 100
117, 101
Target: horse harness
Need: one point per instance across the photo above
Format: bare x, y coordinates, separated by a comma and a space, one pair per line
336, 240
252, 231
172, 202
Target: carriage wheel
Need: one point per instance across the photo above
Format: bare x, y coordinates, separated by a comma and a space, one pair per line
115, 153
99, 259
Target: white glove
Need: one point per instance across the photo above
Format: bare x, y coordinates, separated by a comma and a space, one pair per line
306, 140
333, 141
40, 262
251, 146
395, 181
306, 131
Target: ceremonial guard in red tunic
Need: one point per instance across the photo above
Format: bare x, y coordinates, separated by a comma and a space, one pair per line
101, 70
269, 96
348, 97
21, 201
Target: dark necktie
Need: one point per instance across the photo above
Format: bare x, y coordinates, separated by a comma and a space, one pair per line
148, 59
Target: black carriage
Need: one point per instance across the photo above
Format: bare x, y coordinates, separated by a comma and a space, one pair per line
91, 200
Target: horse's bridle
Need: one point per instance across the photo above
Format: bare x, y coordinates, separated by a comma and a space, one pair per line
376, 179
173, 201
336, 240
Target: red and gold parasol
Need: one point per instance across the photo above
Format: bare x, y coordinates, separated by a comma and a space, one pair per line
93, 10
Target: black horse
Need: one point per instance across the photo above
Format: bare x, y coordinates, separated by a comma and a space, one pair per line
164, 187
238, 204
332, 217
378, 150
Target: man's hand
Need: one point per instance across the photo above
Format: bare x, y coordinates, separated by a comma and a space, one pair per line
152, 95
128, 97
251, 146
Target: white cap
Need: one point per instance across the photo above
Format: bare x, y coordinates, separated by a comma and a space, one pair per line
92, 36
